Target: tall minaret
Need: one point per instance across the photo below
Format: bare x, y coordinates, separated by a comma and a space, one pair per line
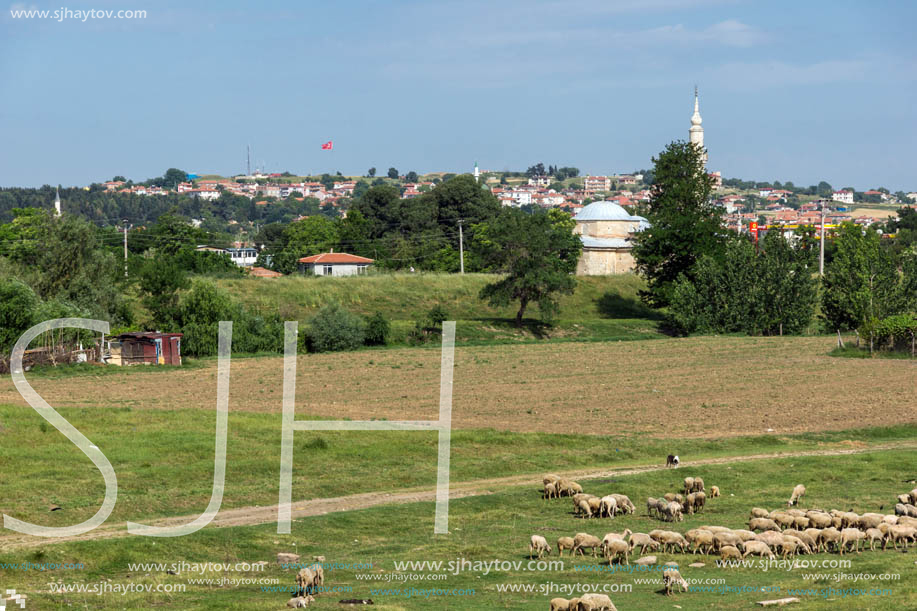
477, 172
56, 201
696, 133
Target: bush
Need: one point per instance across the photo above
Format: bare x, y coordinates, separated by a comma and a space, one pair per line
377, 330
437, 315
335, 328
201, 311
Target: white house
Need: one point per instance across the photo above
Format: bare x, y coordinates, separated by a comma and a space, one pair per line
845, 197
334, 264
243, 257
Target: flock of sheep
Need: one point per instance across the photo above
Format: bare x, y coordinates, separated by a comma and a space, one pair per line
787, 532
672, 506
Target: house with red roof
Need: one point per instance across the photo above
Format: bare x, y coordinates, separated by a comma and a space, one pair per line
334, 264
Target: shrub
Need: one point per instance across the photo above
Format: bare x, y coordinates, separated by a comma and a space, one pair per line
437, 315
334, 328
377, 330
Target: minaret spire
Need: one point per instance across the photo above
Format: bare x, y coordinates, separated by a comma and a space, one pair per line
696, 132
56, 201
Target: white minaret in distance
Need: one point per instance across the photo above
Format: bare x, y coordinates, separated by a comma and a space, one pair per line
56, 201
696, 133
477, 172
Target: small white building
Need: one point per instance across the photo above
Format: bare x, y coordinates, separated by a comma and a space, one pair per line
334, 264
243, 257
845, 197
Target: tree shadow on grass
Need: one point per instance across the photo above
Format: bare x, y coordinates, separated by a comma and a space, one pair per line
614, 305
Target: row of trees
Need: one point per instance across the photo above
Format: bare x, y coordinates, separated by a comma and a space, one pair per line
712, 280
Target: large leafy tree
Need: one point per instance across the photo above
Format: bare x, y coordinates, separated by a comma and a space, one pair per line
861, 282
160, 282
768, 292
18, 307
304, 238
536, 252
685, 225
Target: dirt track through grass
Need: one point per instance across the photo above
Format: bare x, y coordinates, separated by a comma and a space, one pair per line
249, 516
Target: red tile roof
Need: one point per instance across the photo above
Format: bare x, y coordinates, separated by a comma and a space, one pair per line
262, 272
335, 257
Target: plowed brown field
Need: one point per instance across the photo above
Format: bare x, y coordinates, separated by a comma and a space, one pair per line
696, 387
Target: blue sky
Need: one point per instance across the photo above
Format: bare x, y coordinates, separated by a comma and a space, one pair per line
801, 91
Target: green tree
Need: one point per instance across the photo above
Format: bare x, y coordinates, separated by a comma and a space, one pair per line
202, 308
354, 234
768, 292
393, 173
160, 282
310, 236
536, 252
861, 281
684, 223
379, 206
18, 306
411, 176
371, 173
172, 177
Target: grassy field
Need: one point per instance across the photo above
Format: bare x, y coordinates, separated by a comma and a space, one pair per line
164, 459
497, 527
518, 411
405, 296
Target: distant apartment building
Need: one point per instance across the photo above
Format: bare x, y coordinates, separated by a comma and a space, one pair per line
540, 181
596, 184
845, 197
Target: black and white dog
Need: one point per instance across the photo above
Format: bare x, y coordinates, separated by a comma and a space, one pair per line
672, 461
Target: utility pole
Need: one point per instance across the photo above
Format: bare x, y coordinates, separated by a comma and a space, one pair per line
821, 246
125, 248
461, 247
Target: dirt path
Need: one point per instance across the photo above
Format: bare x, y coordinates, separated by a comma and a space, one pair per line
250, 516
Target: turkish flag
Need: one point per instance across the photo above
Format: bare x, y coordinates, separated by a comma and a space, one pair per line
327, 146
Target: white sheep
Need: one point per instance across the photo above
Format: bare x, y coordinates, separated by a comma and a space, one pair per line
608, 506
798, 492
851, 535
723, 539
561, 604
305, 581
586, 541
596, 602
674, 539
714, 492
757, 547
644, 541
538, 545
762, 524
828, 536
614, 548
672, 512
730, 552
873, 535
671, 578
624, 503
689, 484
564, 543
900, 533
